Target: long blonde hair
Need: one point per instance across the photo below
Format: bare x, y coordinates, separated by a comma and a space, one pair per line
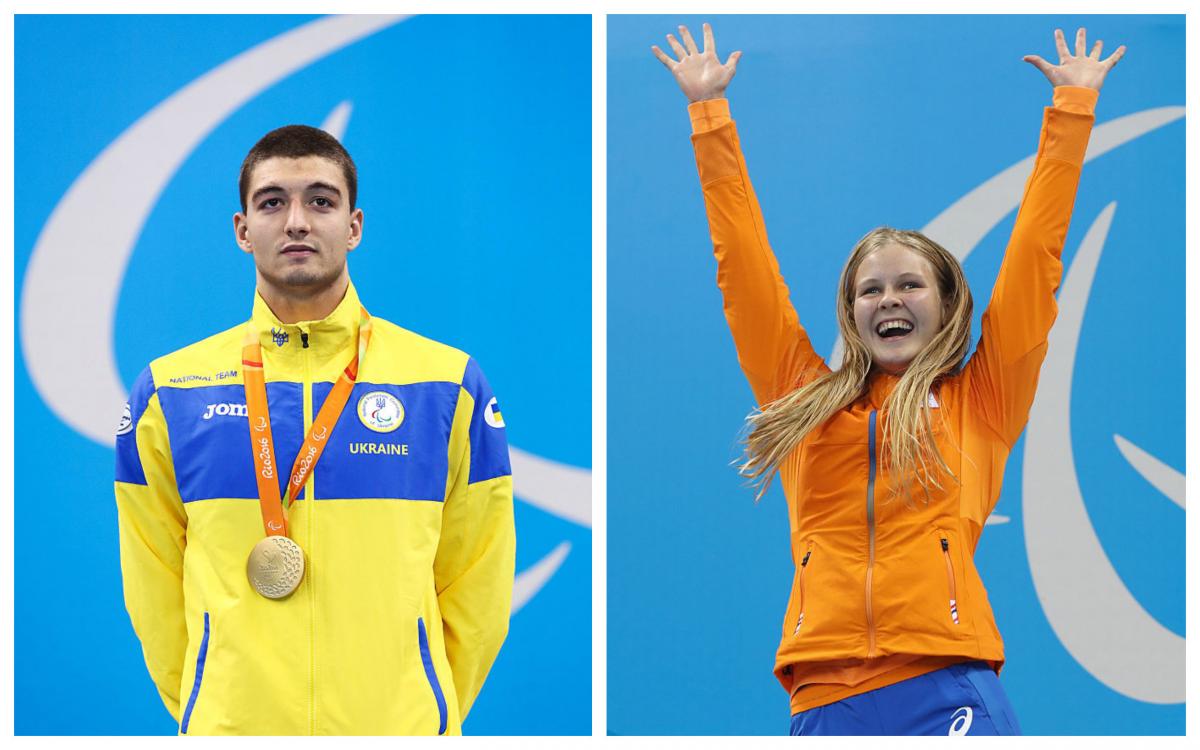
908, 448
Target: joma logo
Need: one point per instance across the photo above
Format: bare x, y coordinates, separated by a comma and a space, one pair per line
225, 410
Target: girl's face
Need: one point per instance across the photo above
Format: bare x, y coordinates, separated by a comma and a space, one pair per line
898, 308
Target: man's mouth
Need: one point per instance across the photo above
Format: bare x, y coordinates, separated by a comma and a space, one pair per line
891, 330
298, 250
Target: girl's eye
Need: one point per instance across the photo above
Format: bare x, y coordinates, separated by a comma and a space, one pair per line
870, 290
911, 285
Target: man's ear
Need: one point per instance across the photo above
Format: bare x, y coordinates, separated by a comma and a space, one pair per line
356, 229
241, 233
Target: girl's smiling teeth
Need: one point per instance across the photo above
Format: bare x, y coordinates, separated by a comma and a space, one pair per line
893, 329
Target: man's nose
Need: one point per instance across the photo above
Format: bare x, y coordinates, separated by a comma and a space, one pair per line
297, 220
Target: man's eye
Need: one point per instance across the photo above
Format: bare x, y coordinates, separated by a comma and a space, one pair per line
323, 202
271, 203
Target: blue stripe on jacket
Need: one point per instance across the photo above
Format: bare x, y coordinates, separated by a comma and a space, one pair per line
210, 441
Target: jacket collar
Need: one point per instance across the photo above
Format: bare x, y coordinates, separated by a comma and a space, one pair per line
880, 387
326, 337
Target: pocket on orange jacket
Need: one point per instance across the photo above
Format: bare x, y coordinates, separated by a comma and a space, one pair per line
952, 588
799, 618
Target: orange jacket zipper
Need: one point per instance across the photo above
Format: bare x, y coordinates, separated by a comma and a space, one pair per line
803, 565
950, 578
870, 532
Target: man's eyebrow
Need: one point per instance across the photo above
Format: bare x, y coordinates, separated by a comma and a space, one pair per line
263, 191
312, 187
318, 186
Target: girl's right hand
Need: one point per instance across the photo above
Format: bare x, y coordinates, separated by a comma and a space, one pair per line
700, 74
1080, 69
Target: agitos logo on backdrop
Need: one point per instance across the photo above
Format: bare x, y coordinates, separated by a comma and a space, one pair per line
143, 160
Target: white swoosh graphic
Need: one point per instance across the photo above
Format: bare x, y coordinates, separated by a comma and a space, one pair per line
337, 120
531, 580
968, 220
1091, 611
565, 491
75, 270
1164, 478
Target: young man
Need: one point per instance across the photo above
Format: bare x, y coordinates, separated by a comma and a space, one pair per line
316, 506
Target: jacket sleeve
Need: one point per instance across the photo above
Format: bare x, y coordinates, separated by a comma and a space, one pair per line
773, 348
474, 567
1003, 371
152, 526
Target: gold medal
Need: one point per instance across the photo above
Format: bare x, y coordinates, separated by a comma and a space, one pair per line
275, 567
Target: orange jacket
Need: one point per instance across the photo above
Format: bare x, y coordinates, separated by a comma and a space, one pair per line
883, 591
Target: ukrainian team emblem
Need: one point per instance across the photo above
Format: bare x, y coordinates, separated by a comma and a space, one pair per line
126, 421
380, 411
491, 414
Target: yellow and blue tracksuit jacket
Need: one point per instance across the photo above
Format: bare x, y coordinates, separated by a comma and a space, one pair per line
408, 535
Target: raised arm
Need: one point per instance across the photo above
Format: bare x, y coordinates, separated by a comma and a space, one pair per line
1003, 372
773, 349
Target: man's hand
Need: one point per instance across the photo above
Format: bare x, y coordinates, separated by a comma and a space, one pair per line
1080, 69
700, 74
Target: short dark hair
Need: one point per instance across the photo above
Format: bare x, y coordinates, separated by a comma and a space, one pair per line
293, 142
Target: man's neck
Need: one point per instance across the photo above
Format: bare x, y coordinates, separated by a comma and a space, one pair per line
291, 306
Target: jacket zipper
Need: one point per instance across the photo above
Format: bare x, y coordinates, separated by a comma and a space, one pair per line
306, 400
431, 674
803, 565
870, 531
950, 580
201, 657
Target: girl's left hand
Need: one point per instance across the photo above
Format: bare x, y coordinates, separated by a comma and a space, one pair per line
1080, 69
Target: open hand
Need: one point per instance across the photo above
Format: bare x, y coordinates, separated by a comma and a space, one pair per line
1080, 69
700, 74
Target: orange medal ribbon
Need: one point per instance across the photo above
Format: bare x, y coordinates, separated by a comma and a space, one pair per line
274, 508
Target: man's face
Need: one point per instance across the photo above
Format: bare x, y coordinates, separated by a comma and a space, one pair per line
298, 223
897, 306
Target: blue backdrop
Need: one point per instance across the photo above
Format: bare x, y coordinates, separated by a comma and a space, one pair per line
473, 142
850, 122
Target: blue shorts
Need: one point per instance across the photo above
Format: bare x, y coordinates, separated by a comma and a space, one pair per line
960, 699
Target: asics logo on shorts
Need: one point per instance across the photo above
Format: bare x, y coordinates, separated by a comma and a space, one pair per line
960, 722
